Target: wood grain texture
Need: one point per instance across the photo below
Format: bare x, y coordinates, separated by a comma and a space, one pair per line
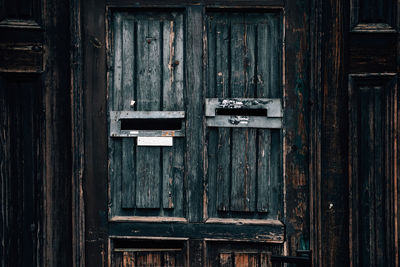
243, 60
372, 15
147, 68
95, 132
21, 124
22, 58
230, 254
128, 194
296, 122
372, 101
195, 111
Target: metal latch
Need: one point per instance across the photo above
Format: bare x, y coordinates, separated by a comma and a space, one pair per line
244, 112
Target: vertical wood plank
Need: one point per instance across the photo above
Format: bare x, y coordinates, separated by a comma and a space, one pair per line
265, 259
379, 178
168, 259
194, 111
173, 99
128, 259
115, 103
148, 168
225, 260
250, 68
128, 149
264, 89
275, 89
211, 133
241, 259
222, 90
242, 139
117, 259
366, 174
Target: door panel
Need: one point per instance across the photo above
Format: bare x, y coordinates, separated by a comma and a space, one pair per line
147, 75
220, 188
227, 254
128, 252
244, 170
372, 102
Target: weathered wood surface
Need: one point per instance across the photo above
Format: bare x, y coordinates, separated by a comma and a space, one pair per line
296, 122
243, 64
147, 68
25, 58
372, 106
241, 254
378, 15
95, 187
21, 127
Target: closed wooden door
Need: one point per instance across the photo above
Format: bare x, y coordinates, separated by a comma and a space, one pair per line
195, 133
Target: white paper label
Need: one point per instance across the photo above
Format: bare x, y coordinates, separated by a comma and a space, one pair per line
154, 141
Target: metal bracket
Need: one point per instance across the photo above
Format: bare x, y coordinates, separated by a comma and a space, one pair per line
244, 112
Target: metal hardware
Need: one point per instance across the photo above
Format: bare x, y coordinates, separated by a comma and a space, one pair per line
244, 112
117, 116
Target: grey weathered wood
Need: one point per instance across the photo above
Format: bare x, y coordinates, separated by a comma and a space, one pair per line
254, 57
115, 103
240, 200
147, 81
148, 168
128, 150
263, 170
194, 105
251, 138
173, 157
221, 54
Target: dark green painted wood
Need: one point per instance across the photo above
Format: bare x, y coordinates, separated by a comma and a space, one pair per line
244, 232
148, 68
173, 99
115, 103
128, 149
148, 166
222, 75
194, 111
244, 60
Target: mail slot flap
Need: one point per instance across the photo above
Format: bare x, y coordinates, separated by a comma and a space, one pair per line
273, 106
260, 113
147, 123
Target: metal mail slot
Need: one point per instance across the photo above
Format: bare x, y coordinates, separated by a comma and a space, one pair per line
244, 112
147, 123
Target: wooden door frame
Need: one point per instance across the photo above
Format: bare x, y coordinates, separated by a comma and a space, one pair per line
313, 179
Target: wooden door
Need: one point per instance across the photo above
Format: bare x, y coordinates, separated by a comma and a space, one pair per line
35, 134
195, 132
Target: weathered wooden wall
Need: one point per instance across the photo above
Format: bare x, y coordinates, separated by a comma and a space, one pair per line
354, 118
35, 134
341, 150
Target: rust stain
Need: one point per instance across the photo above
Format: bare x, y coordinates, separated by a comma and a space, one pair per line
168, 133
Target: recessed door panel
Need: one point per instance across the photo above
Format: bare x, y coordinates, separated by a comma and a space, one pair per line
147, 76
244, 167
